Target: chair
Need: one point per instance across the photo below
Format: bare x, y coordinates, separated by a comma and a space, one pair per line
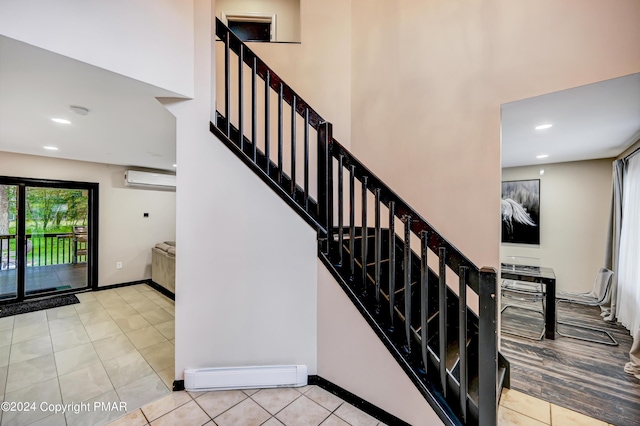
523, 291
80, 238
595, 297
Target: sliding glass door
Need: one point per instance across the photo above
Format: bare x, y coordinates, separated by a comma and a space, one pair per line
51, 243
8, 241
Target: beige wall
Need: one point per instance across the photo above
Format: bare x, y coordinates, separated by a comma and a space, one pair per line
575, 200
428, 79
352, 356
287, 14
319, 68
124, 234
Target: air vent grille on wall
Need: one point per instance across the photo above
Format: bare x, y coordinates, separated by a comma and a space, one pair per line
135, 178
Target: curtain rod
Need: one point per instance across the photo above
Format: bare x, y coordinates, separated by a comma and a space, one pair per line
634, 152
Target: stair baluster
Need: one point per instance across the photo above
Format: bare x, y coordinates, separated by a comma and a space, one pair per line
227, 85
462, 339
352, 222
306, 163
254, 109
407, 280
241, 98
267, 122
378, 249
280, 130
392, 263
424, 300
442, 314
340, 209
293, 146
365, 236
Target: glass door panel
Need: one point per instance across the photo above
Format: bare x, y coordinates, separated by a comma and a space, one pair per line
8, 233
56, 231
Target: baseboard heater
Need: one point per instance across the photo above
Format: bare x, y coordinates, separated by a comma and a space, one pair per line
201, 379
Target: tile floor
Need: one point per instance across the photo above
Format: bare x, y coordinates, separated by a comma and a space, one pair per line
311, 405
118, 345
519, 409
308, 405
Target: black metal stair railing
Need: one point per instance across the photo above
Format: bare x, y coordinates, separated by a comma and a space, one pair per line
400, 286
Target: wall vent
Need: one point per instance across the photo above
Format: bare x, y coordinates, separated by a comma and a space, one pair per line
202, 379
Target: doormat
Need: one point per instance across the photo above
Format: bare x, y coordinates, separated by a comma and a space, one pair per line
37, 305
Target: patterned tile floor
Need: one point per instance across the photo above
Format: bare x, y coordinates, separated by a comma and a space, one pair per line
118, 346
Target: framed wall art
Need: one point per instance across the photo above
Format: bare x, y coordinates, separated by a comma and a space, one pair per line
520, 208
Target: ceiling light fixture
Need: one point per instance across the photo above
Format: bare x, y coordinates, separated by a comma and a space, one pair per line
51, 148
79, 110
542, 156
60, 120
543, 126
175, 165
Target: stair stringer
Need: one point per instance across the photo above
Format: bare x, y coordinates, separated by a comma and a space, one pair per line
351, 355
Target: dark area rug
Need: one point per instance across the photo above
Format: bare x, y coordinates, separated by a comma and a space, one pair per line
37, 305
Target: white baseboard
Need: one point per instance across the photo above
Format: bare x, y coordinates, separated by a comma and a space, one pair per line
203, 379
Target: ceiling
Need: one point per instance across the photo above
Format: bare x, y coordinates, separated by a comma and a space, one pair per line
599, 120
126, 125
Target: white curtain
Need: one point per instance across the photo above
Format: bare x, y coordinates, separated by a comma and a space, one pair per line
628, 297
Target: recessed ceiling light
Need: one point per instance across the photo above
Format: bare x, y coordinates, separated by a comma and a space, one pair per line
542, 156
61, 120
543, 126
51, 148
175, 165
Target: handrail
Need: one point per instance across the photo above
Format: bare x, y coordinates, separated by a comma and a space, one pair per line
455, 259
262, 70
423, 295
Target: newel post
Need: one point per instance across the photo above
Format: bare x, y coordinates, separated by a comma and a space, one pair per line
325, 183
488, 347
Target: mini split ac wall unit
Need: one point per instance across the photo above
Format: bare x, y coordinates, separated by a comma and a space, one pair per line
203, 379
150, 180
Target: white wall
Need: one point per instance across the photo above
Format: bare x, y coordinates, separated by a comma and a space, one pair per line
124, 234
149, 40
246, 275
287, 14
575, 200
352, 356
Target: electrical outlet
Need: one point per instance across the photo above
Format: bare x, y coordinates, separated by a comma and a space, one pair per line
118, 265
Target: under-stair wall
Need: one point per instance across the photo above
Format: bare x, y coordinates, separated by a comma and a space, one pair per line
239, 301
351, 355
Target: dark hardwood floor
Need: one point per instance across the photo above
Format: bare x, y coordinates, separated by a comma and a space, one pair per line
582, 376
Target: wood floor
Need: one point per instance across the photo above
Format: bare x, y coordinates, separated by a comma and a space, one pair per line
582, 376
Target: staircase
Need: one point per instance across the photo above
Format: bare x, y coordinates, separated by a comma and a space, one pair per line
408, 281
